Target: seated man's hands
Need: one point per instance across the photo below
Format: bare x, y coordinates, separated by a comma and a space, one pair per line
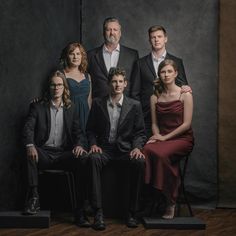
78, 151
186, 89
136, 153
95, 148
32, 153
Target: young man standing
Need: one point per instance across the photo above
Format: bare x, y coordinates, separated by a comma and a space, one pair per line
145, 76
118, 135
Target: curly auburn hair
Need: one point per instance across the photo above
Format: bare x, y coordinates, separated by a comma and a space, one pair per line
64, 59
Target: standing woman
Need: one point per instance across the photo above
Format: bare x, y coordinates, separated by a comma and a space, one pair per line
74, 62
172, 137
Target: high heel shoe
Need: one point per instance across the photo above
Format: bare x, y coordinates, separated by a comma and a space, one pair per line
170, 212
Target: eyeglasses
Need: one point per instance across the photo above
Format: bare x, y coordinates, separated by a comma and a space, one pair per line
59, 86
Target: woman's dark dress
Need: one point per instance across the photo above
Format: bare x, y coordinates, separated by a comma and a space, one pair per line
162, 158
79, 92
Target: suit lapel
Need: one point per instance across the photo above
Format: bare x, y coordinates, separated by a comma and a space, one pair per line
150, 65
122, 57
100, 61
124, 111
65, 116
104, 108
169, 56
48, 118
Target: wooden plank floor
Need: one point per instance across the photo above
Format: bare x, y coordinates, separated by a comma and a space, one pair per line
219, 222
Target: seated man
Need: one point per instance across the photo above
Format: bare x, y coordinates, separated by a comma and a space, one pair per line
115, 131
53, 140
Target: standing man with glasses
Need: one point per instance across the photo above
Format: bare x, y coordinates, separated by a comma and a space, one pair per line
53, 140
110, 54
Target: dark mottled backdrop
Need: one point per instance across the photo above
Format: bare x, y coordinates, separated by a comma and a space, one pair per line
32, 34
192, 28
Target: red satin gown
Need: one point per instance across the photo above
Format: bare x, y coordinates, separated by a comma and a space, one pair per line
162, 158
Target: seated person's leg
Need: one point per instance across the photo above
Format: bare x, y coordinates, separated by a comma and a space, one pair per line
32, 205
96, 162
78, 165
136, 179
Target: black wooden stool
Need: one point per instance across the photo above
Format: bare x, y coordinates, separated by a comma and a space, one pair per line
70, 180
182, 193
182, 196
177, 222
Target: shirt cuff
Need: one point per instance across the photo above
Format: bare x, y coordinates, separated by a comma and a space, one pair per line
30, 145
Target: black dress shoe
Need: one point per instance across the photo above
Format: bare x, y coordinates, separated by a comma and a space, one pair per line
81, 219
99, 223
131, 222
32, 206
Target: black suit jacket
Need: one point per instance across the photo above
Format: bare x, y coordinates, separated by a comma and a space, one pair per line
143, 76
99, 74
38, 123
130, 131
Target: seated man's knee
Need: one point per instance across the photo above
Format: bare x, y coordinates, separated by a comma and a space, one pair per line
138, 163
32, 162
94, 158
83, 158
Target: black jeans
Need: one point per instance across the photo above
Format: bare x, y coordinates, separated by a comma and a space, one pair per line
58, 159
97, 161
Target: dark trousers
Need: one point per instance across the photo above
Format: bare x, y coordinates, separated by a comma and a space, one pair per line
97, 161
58, 159
148, 125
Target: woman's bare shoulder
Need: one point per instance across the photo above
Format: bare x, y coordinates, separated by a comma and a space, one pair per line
153, 98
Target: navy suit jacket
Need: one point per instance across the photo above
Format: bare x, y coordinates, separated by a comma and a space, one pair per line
38, 124
130, 131
98, 71
143, 76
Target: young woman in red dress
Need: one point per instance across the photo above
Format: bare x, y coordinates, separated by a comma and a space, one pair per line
172, 137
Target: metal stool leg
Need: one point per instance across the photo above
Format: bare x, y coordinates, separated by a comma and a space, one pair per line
153, 207
71, 190
182, 187
184, 192
72, 179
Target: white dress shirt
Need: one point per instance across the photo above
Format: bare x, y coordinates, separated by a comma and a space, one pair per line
111, 58
156, 61
114, 111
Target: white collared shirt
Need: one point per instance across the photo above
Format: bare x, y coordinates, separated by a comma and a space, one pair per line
156, 61
111, 58
57, 125
114, 111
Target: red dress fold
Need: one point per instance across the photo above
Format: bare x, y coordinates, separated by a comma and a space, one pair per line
162, 158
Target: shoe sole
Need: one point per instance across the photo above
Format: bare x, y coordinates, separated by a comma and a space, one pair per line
31, 212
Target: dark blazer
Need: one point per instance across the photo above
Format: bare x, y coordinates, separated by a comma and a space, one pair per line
99, 74
37, 126
130, 131
143, 76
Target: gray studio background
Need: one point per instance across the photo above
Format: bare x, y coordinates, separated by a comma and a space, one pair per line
32, 34
192, 28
